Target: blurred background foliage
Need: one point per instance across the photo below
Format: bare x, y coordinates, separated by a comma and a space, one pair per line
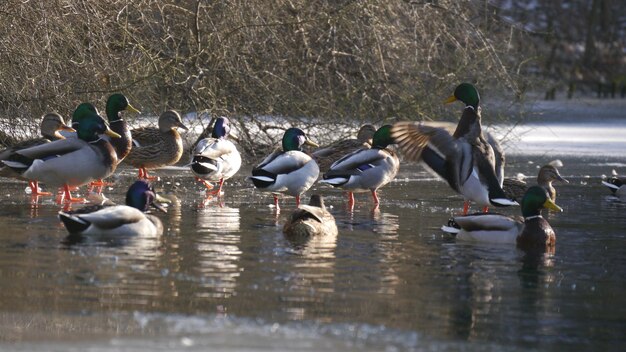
319, 62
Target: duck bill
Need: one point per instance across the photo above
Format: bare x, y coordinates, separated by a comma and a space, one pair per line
58, 134
559, 178
132, 109
157, 203
311, 143
112, 134
181, 125
451, 99
550, 205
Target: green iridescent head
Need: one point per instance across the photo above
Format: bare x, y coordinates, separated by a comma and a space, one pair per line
141, 195
295, 138
115, 104
88, 124
382, 137
467, 93
535, 199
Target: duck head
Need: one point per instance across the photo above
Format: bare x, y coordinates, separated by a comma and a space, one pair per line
535, 199
467, 93
221, 129
90, 125
294, 138
382, 137
51, 124
141, 195
549, 173
169, 120
117, 103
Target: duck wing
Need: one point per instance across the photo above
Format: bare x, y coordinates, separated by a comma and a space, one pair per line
450, 158
146, 136
113, 217
23, 158
486, 222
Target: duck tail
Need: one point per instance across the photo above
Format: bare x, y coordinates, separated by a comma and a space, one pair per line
73, 224
262, 179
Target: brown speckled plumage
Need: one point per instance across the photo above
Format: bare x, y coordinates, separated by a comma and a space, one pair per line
158, 147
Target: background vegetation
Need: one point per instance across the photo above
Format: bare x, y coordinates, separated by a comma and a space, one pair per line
324, 61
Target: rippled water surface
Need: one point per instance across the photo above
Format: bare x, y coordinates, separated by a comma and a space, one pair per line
224, 277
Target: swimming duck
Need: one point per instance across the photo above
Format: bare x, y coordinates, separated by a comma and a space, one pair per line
51, 125
534, 232
216, 158
310, 220
515, 188
366, 169
616, 184
118, 220
70, 162
289, 170
325, 156
469, 161
157, 147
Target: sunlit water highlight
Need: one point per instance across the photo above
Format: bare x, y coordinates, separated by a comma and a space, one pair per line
224, 277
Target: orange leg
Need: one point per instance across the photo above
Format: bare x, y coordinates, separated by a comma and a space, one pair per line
143, 173
466, 206
100, 183
298, 200
206, 184
67, 196
217, 192
34, 187
485, 209
375, 197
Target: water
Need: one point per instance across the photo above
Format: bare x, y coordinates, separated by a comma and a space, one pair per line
223, 277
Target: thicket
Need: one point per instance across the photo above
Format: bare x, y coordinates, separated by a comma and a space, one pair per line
319, 62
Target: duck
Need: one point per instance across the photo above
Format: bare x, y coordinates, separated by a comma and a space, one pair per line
216, 159
531, 232
288, 170
157, 147
310, 220
616, 183
70, 162
51, 126
515, 188
366, 169
131, 219
471, 162
327, 155
116, 103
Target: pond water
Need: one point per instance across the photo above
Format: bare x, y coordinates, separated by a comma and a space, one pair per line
223, 277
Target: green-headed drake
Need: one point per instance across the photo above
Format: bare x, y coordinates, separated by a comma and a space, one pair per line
118, 220
70, 162
471, 163
116, 103
289, 170
51, 126
327, 155
157, 147
216, 159
534, 232
366, 169
515, 188
310, 220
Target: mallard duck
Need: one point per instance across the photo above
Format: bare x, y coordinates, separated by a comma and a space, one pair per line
616, 184
366, 169
470, 162
325, 156
310, 220
118, 220
216, 158
515, 188
51, 125
157, 147
534, 232
116, 103
70, 162
289, 170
